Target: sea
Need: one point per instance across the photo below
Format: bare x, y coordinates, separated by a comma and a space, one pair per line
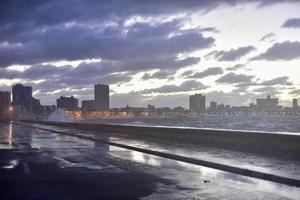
263, 123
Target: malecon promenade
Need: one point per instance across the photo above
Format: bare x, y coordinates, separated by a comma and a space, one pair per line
52, 160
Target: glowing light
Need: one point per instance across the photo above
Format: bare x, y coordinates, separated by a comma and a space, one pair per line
10, 136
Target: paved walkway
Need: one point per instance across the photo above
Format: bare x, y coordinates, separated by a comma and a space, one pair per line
37, 164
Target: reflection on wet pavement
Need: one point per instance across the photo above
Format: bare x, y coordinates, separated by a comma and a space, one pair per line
239, 159
184, 180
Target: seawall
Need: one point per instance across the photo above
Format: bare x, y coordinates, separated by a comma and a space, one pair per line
284, 146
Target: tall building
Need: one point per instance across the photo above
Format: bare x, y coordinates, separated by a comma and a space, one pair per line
268, 104
68, 103
22, 96
101, 94
295, 104
4, 104
197, 103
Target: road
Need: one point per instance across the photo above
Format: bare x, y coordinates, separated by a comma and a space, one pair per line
39, 164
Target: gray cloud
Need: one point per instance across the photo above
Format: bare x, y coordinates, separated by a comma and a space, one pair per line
184, 87
266, 90
281, 51
267, 37
212, 71
9, 74
77, 42
35, 32
297, 91
232, 78
232, 54
235, 67
291, 23
42, 12
162, 74
277, 81
230, 98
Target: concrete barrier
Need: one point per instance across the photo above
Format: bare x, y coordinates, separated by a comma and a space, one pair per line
285, 146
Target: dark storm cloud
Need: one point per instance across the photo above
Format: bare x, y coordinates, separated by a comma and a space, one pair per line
277, 81
42, 31
212, 71
232, 54
110, 43
56, 12
281, 51
292, 23
232, 78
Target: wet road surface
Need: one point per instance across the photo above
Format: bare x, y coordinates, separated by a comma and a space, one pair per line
38, 164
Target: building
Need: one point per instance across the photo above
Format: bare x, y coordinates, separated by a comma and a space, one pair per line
22, 96
101, 95
47, 110
37, 108
68, 103
213, 107
5, 105
295, 104
197, 103
88, 105
268, 104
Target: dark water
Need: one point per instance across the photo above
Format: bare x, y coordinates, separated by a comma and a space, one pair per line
253, 123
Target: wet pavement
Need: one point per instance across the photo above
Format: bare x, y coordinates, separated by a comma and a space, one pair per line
38, 164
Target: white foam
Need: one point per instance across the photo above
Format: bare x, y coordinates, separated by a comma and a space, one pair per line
60, 115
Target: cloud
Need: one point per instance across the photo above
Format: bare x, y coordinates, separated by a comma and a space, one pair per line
266, 90
43, 12
164, 62
232, 54
267, 37
235, 67
9, 74
111, 43
281, 51
297, 92
277, 81
230, 98
186, 86
232, 78
212, 71
291, 23
162, 74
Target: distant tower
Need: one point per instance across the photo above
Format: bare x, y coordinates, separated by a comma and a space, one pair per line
295, 104
22, 96
101, 94
197, 103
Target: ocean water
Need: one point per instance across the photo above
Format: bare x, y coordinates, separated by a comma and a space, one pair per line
253, 123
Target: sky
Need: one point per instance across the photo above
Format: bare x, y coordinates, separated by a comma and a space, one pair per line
157, 52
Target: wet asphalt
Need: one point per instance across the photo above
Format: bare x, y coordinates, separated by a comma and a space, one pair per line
38, 164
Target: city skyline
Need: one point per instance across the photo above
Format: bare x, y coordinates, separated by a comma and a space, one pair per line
22, 95
231, 51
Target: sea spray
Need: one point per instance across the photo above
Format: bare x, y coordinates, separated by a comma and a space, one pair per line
60, 115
